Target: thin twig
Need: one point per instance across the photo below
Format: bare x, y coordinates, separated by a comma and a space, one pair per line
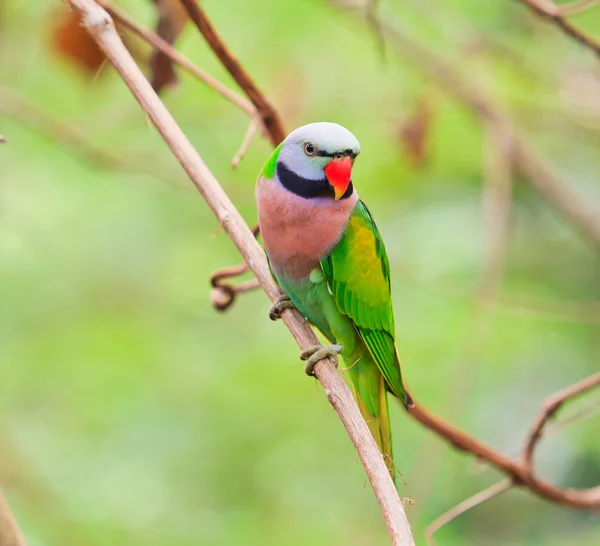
551, 406
157, 42
224, 293
372, 18
465, 506
10, 534
252, 128
497, 203
101, 28
270, 117
548, 10
587, 412
576, 7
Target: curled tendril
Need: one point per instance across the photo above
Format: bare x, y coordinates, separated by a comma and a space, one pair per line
224, 293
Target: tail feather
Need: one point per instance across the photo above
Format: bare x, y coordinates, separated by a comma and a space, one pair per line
371, 396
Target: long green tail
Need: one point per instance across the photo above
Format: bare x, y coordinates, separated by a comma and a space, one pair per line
371, 396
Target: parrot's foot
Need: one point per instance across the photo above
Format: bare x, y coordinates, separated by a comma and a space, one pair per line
282, 303
314, 354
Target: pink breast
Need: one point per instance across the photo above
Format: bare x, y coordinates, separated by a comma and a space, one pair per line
298, 232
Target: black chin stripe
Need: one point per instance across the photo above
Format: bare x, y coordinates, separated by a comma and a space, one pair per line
348, 192
305, 187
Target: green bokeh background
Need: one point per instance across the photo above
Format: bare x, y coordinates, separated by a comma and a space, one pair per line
132, 413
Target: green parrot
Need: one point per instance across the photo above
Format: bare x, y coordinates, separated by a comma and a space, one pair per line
328, 257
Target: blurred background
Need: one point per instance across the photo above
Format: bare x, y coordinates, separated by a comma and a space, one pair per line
131, 412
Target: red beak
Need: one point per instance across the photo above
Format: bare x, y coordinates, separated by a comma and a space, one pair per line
339, 174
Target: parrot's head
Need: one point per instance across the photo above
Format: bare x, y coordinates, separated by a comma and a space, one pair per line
316, 161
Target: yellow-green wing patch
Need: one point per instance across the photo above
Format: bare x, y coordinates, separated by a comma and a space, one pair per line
358, 274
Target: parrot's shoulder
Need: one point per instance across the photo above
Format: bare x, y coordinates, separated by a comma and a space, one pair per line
358, 273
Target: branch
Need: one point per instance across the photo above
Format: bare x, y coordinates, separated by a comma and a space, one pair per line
2, 139
252, 128
551, 406
224, 293
466, 505
163, 46
10, 534
223, 297
101, 28
548, 10
521, 473
497, 204
266, 111
576, 7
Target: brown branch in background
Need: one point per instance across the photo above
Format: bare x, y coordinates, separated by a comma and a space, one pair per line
466, 505
266, 111
2, 139
223, 297
172, 18
551, 406
10, 534
521, 473
169, 51
546, 9
101, 27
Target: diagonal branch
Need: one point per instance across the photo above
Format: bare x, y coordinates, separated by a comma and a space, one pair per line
266, 111
163, 46
10, 534
546, 9
576, 7
101, 28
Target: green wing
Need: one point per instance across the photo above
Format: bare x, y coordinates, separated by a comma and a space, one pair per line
358, 274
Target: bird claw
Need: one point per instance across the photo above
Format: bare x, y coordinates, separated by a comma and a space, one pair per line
316, 353
282, 303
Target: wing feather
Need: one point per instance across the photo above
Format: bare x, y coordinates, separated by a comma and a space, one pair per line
357, 271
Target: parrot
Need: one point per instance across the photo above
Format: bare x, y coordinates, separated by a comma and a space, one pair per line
328, 258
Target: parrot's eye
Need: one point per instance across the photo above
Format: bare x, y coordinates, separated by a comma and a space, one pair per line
310, 149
